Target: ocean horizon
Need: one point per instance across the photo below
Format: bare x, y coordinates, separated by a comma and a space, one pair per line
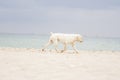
39, 40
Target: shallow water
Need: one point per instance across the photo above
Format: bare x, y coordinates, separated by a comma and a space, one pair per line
37, 41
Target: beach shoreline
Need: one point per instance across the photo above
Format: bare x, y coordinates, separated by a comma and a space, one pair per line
51, 50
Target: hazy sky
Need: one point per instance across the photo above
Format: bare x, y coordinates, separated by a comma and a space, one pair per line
87, 17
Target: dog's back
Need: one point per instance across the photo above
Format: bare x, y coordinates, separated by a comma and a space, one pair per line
64, 38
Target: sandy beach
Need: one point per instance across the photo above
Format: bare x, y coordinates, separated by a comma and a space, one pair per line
32, 64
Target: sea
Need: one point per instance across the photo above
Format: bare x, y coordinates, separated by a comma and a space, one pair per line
39, 40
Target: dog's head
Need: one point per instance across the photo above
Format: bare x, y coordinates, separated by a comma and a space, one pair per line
79, 38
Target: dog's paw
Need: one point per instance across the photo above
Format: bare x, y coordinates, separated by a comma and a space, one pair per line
77, 52
62, 51
43, 49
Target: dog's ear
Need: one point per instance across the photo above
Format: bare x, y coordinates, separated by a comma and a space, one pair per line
51, 33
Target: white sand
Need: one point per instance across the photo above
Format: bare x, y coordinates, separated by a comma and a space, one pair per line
31, 64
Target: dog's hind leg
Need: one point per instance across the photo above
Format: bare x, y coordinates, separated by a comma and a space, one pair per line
49, 43
56, 45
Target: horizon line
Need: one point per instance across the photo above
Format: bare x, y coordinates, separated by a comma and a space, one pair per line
96, 36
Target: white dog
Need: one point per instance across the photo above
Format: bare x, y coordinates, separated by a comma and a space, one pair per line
64, 39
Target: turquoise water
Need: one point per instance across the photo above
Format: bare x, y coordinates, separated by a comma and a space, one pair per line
37, 41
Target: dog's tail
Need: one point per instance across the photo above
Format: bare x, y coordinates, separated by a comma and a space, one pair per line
51, 33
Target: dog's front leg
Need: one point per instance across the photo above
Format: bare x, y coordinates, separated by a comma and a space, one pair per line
65, 47
73, 45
